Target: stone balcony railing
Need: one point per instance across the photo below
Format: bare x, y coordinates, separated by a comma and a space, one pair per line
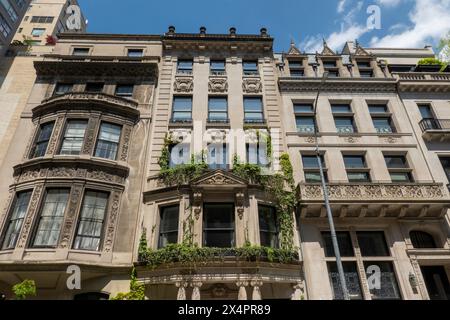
379, 193
421, 76
91, 96
423, 81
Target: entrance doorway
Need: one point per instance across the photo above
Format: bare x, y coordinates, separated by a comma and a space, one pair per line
437, 283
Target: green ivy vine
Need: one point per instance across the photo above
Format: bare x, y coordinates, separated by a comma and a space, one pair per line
137, 290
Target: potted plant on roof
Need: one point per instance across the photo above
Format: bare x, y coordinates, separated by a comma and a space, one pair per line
430, 65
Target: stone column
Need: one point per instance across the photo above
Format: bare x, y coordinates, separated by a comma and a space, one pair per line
298, 291
196, 290
256, 284
242, 290
181, 285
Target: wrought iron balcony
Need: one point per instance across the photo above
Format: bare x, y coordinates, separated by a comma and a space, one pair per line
435, 128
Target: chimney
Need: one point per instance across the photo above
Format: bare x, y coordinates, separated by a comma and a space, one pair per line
203, 30
171, 30
233, 31
263, 32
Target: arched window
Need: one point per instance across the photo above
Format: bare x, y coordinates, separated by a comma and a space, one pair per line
422, 240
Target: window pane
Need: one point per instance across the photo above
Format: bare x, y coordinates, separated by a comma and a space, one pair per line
90, 224
185, 66
252, 104
358, 177
344, 241
62, 88
303, 108
295, 64
422, 240
310, 162
341, 108
37, 32
182, 104
218, 104
268, 227
401, 177
80, 51
396, 162
94, 87
305, 124
383, 125
14, 225
168, 229
377, 108
425, 111
389, 287
218, 225
354, 162
344, 125
125, 90
43, 138
351, 279
217, 65
108, 141
135, 52
73, 137
314, 177
51, 218
250, 66
372, 244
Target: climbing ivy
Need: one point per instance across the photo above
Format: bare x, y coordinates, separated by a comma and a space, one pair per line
24, 289
137, 290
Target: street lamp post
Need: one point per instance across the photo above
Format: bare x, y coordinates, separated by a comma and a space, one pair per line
327, 200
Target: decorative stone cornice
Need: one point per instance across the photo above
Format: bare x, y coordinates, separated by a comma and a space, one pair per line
84, 101
423, 82
349, 85
79, 169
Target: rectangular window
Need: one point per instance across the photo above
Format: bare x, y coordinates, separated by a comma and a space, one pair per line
399, 169
218, 110
135, 53
372, 244
37, 32
357, 171
253, 110
296, 69
20, 3
446, 165
168, 227
389, 286
182, 109
250, 68
381, 118
43, 137
10, 10
304, 117
218, 156
343, 118
5, 28
344, 241
108, 141
365, 68
185, 66
14, 225
331, 67
425, 111
94, 87
341, 108
217, 67
51, 218
125, 90
351, 279
80, 52
311, 169
218, 225
42, 19
63, 88
268, 226
90, 223
73, 137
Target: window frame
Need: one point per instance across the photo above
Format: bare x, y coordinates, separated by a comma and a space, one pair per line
254, 121
160, 233
275, 233
406, 169
37, 141
250, 71
232, 222
217, 71
174, 111
63, 137
212, 120
184, 70
314, 170
98, 139
364, 169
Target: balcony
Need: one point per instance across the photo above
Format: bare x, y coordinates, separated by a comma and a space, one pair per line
423, 82
180, 122
435, 129
390, 200
88, 101
255, 123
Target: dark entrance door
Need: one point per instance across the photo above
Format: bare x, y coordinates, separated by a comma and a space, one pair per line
437, 283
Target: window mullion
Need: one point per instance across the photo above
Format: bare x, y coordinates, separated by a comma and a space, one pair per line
360, 267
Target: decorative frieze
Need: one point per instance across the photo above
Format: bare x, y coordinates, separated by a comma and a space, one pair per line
112, 222
125, 143
252, 85
218, 85
70, 219
32, 211
183, 84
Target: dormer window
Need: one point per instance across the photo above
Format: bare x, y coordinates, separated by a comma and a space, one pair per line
296, 69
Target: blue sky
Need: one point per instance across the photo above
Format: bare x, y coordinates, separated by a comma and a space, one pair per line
404, 23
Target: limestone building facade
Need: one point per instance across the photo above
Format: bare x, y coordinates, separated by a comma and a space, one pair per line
192, 158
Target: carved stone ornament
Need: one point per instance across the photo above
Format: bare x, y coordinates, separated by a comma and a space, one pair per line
252, 85
390, 140
218, 85
183, 84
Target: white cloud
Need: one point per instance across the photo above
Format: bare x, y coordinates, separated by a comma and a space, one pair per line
336, 40
341, 6
389, 3
430, 21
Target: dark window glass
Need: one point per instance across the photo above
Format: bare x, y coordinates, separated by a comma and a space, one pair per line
425, 111
345, 124
51, 218
124, 90
329, 63
378, 108
268, 226
168, 228
42, 140
389, 287
341, 108
297, 73
253, 110
310, 162
80, 51
401, 177
366, 74
250, 67
352, 162
62, 88
311, 169
135, 52
363, 64
383, 125
14, 225
217, 67
305, 124
182, 109
351, 279
94, 87
108, 141
73, 137
218, 225
218, 109
446, 165
372, 244
422, 240
90, 223
344, 241
303, 108
396, 162
185, 66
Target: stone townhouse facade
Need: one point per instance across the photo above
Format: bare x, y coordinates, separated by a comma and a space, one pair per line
89, 179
